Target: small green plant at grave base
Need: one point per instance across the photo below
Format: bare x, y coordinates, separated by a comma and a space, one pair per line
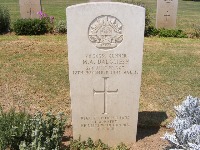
4, 20
186, 125
91, 145
11, 128
61, 27
122, 146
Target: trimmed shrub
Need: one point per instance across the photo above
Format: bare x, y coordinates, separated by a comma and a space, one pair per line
171, 33
186, 125
34, 26
151, 31
48, 19
4, 20
30, 27
61, 27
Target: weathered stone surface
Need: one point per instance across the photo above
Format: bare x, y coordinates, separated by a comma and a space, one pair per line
105, 49
29, 8
166, 13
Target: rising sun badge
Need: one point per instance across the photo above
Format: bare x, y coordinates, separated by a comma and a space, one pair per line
105, 32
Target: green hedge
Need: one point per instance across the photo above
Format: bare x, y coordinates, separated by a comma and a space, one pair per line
171, 33
30, 26
152, 31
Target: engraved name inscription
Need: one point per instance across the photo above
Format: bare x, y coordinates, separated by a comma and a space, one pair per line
105, 64
105, 32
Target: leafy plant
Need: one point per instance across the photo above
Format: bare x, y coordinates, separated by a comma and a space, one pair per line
186, 125
4, 20
30, 27
19, 130
34, 26
48, 19
171, 33
61, 27
91, 145
43, 132
151, 31
11, 128
122, 146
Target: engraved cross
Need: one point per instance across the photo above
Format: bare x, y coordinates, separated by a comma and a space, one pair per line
167, 15
105, 92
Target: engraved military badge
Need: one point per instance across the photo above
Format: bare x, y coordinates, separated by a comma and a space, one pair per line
105, 32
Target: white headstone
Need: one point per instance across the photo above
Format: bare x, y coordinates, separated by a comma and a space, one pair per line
105, 50
166, 13
29, 8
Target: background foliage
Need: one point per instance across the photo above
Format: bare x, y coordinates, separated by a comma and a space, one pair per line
30, 27
4, 19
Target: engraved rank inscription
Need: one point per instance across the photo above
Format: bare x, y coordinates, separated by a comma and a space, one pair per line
105, 32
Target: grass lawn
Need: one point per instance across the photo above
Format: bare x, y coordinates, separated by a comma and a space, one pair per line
34, 73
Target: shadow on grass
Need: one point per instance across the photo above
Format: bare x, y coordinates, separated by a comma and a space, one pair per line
149, 123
